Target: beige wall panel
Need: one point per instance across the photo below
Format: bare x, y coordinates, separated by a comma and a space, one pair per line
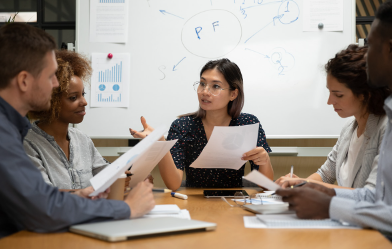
110, 142
111, 158
303, 166
302, 142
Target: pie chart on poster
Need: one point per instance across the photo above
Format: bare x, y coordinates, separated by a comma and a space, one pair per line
116, 87
102, 87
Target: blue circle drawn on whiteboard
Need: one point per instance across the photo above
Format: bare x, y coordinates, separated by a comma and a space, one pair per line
211, 33
102, 87
116, 87
288, 12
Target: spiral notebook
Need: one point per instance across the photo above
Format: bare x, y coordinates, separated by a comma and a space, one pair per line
268, 195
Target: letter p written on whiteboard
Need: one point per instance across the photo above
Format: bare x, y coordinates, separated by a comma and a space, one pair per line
198, 30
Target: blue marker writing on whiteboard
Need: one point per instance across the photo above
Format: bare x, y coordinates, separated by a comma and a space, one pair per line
198, 30
214, 24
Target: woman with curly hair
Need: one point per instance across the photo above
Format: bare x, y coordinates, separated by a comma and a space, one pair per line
65, 156
353, 160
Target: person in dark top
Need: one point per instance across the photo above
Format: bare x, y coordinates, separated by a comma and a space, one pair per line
221, 98
27, 78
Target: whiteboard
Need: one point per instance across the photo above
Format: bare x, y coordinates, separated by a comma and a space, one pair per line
171, 40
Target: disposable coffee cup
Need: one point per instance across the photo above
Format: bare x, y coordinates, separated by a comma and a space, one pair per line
117, 189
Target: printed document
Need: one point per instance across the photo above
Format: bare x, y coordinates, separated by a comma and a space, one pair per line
109, 20
147, 162
110, 80
328, 13
226, 146
105, 178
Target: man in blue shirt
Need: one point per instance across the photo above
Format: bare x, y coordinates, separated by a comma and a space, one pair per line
27, 77
364, 207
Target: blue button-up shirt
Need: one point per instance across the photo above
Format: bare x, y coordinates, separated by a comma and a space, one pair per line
26, 201
366, 207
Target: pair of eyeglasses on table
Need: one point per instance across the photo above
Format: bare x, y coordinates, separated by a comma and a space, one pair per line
240, 200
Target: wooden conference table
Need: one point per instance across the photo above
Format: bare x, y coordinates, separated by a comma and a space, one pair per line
230, 232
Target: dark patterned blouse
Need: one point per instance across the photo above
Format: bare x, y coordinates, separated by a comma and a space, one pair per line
191, 141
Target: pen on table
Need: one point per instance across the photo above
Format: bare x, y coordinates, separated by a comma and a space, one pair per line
291, 171
163, 190
178, 195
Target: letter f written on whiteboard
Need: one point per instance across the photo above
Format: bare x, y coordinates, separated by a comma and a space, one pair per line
215, 24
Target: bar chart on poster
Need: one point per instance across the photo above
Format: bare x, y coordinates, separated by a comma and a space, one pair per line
109, 82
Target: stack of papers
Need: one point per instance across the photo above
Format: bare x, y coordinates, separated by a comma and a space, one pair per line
168, 211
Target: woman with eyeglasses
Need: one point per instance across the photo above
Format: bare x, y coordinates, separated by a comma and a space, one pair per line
221, 98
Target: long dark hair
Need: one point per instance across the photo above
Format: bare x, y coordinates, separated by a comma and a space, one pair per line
233, 76
349, 68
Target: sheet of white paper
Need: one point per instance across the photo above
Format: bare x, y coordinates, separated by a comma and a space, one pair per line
147, 162
183, 214
165, 209
329, 13
110, 80
253, 222
108, 175
261, 180
109, 21
226, 146
292, 221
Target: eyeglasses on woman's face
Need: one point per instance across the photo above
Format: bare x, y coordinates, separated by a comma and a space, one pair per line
214, 89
